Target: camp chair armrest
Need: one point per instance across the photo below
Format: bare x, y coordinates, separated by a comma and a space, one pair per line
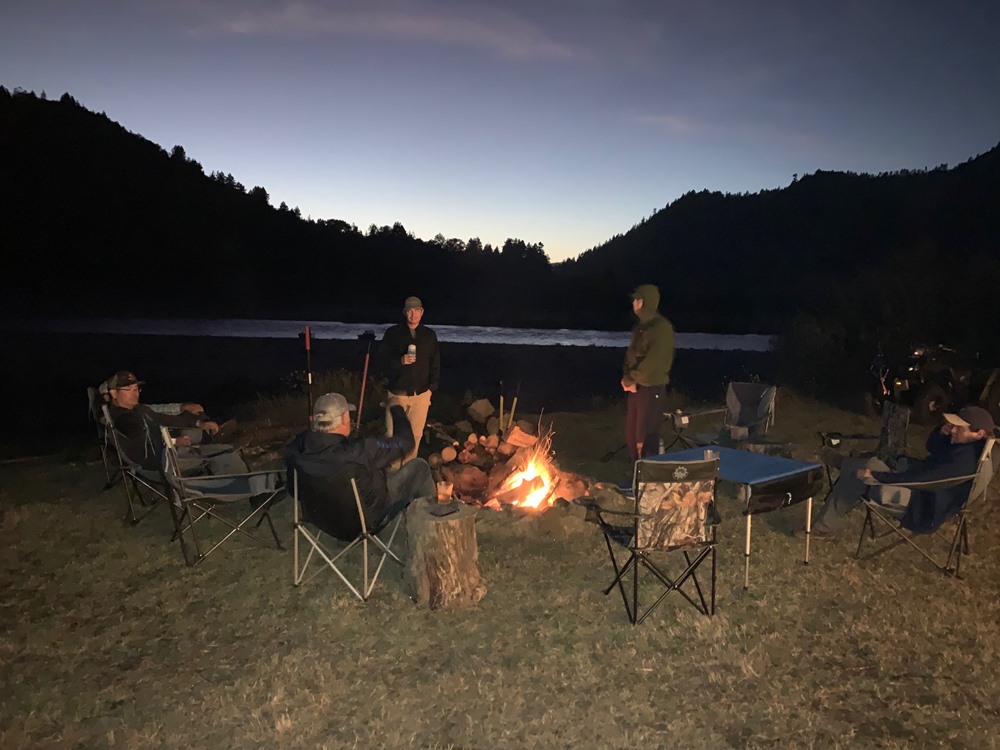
692, 414
606, 511
935, 484
827, 438
259, 472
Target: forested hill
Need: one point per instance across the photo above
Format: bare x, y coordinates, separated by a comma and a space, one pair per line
100, 220
97, 219
756, 258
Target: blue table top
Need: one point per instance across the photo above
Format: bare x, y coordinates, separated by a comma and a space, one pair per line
743, 467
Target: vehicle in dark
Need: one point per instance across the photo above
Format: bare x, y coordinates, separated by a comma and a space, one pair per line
933, 379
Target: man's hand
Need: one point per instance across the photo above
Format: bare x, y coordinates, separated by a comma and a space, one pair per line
408, 359
182, 442
865, 475
628, 387
393, 400
208, 426
192, 408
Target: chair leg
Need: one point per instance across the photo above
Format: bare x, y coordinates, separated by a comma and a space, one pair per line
867, 524
620, 573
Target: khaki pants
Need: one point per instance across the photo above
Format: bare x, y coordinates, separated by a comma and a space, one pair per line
415, 408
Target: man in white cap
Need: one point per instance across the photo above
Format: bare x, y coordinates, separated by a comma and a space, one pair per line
953, 450
413, 360
326, 457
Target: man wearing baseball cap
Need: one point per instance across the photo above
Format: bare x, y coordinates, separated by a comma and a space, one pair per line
326, 458
128, 417
953, 450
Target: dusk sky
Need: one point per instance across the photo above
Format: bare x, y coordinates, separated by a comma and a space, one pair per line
562, 122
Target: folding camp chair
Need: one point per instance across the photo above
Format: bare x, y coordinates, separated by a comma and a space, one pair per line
306, 497
748, 414
235, 500
674, 510
958, 539
144, 488
96, 414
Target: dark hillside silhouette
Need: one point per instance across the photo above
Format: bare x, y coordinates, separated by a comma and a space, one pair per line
98, 220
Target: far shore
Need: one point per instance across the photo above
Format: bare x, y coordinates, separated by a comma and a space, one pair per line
44, 384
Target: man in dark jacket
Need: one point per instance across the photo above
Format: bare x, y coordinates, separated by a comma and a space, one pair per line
953, 450
414, 364
646, 373
326, 458
129, 417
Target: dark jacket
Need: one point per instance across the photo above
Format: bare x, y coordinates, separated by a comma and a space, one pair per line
650, 353
132, 431
326, 463
928, 509
422, 375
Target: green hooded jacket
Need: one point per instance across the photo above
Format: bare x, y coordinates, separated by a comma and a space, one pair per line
650, 353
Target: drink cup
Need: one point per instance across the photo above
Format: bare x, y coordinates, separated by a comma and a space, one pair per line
411, 350
444, 490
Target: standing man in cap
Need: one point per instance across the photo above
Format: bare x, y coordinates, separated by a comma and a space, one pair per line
953, 450
414, 365
646, 373
326, 458
129, 417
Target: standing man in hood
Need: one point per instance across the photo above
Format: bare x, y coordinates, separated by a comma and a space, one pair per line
646, 373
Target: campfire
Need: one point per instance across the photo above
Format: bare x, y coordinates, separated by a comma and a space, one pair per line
532, 480
511, 467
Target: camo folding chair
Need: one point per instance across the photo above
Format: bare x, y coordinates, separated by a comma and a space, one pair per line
748, 414
241, 503
954, 533
341, 516
673, 514
144, 488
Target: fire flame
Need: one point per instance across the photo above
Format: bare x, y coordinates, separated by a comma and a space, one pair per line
536, 477
534, 470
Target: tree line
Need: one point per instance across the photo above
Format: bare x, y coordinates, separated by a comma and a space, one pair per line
99, 220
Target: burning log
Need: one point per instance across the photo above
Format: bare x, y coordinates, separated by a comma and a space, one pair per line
442, 568
519, 493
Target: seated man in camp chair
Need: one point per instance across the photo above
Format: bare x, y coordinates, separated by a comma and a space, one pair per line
128, 416
953, 450
327, 457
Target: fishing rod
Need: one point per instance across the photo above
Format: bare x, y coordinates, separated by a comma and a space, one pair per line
368, 336
309, 374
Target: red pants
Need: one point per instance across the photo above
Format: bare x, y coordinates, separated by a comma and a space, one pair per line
643, 420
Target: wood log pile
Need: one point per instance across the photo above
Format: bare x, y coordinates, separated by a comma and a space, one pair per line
479, 454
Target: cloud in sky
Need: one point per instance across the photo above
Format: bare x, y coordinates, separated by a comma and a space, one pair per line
503, 32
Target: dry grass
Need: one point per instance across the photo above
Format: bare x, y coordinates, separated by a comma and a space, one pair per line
109, 641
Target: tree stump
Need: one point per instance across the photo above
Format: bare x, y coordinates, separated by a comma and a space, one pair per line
442, 566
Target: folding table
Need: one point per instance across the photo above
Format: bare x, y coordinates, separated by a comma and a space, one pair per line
768, 482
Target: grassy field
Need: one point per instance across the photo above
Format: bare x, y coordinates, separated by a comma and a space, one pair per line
108, 640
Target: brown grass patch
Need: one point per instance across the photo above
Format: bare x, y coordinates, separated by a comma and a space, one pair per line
107, 640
